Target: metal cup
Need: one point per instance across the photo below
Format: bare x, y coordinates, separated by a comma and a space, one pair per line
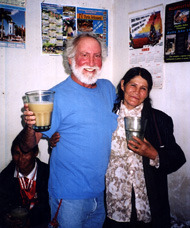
134, 126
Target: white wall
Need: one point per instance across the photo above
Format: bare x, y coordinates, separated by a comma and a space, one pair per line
25, 70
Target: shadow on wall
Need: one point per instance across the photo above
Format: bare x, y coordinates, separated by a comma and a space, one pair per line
179, 197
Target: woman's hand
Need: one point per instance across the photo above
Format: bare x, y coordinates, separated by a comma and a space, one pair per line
143, 148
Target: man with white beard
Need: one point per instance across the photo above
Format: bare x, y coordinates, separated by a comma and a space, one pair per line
83, 117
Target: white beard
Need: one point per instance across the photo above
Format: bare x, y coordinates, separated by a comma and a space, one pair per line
89, 78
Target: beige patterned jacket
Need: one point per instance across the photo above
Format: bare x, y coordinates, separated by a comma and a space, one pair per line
125, 171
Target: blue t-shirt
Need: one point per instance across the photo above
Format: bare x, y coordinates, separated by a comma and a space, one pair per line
85, 121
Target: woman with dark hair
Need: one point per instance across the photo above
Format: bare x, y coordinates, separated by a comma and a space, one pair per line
136, 179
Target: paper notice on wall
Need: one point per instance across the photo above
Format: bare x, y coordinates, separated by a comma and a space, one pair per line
60, 23
146, 42
93, 20
177, 32
19, 3
12, 28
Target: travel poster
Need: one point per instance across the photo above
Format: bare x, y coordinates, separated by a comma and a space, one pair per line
60, 23
20, 3
146, 42
12, 26
177, 32
93, 20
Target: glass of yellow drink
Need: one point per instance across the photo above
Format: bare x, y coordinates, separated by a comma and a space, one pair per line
41, 104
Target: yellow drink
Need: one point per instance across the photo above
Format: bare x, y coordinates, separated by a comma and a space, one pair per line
42, 111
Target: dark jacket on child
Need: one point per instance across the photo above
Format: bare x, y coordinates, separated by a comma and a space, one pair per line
10, 194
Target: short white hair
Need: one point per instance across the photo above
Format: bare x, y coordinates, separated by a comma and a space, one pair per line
72, 45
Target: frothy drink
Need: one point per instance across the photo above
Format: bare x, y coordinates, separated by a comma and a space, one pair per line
42, 111
41, 104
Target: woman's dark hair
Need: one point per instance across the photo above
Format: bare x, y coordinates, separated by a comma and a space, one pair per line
16, 142
131, 73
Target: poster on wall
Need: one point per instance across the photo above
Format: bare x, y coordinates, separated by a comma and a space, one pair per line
20, 3
60, 23
56, 21
146, 42
93, 20
12, 26
177, 32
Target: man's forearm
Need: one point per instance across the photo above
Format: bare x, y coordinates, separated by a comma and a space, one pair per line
28, 139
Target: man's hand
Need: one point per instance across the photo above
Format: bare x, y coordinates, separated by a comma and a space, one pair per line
29, 116
28, 136
54, 139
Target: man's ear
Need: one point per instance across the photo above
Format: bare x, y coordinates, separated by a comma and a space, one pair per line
70, 61
122, 85
36, 153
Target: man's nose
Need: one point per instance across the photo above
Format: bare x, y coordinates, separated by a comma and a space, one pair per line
20, 157
91, 61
